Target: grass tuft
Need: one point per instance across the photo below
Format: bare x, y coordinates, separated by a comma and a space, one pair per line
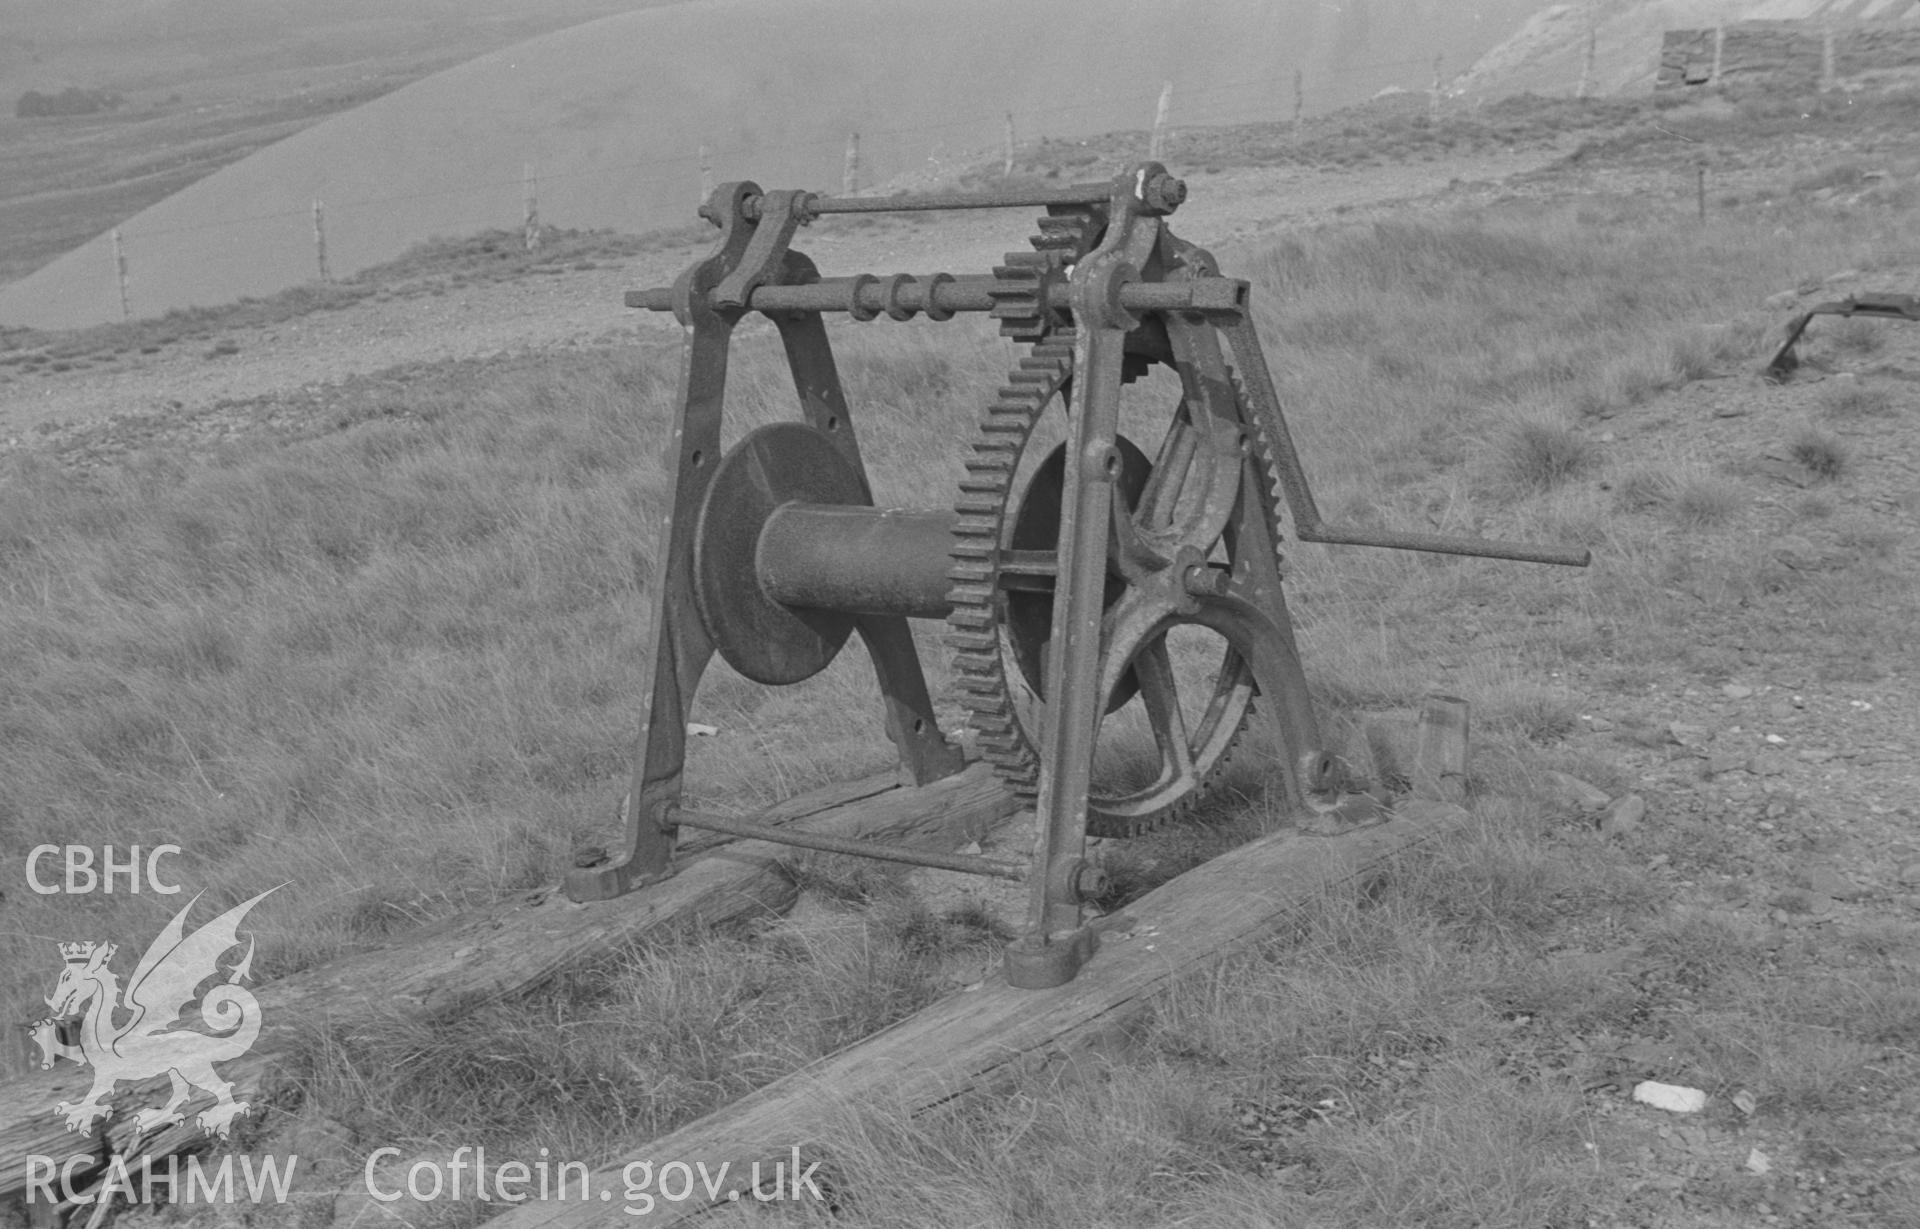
1825, 456
1692, 498
1537, 457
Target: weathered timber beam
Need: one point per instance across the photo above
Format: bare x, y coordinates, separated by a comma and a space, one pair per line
979, 1041
506, 949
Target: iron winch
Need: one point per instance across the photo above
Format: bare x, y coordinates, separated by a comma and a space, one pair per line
1092, 591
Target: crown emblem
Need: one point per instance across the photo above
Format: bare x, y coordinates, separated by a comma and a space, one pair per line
78, 953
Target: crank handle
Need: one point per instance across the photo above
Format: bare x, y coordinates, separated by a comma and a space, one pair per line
1446, 544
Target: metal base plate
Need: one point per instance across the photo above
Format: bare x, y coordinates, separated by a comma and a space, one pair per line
1032, 965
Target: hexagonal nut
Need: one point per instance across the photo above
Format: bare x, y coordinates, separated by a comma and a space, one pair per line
1089, 882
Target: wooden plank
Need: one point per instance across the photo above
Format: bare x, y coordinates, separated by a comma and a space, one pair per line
506, 949
979, 1041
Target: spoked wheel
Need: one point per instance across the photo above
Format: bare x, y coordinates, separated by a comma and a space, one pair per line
1158, 752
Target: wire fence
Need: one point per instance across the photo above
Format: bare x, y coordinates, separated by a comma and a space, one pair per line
1279, 97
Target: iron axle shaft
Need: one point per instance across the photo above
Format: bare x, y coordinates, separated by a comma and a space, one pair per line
902, 295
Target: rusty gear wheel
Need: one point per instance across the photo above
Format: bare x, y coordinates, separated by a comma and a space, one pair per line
1002, 563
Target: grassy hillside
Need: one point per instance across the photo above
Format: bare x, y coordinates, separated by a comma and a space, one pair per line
390, 656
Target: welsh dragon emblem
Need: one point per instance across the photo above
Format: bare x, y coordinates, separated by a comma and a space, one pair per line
146, 1042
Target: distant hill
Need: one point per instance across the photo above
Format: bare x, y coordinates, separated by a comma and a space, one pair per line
611, 116
110, 106
167, 45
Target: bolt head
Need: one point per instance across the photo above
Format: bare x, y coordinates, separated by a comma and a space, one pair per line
1163, 193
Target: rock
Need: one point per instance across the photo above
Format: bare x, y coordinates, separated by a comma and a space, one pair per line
1784, 299
1586, 796
1910, 874
1674, 1098
1814, 755
1799, 554
1600, 725
1727, 761
1687, 735
1623, 816
1736, 691
1757, 1162
1834, 279
1766, 766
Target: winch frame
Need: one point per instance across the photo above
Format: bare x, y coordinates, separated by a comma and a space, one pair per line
772, 556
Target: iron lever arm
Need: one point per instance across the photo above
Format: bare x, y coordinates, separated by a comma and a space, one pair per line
1890, 306
1445, 544
1307, 525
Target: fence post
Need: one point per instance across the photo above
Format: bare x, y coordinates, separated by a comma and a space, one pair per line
120, 274
850, 179
320, 239
1826, 55
530, 201
1593, 38
1157, 141
706, 175
1719, 46
1701, 189
1006, 169
1299, 104
1433, 95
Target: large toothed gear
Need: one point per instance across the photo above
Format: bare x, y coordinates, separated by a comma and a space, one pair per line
1004, 548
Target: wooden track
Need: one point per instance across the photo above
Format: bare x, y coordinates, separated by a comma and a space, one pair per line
497, 952
985, 1039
